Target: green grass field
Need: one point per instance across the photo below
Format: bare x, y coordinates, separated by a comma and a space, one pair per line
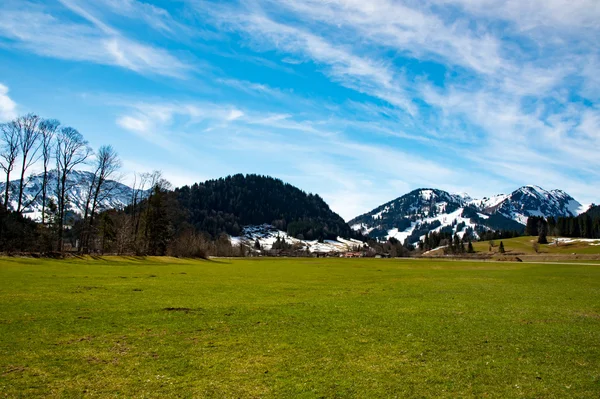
524, 245
300, 328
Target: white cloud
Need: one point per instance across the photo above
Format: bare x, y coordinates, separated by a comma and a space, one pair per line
234, 114
133, 124
8, 108
36, 30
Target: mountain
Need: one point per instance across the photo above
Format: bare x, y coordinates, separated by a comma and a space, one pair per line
228, 204
531, 201
422, 211
78, 183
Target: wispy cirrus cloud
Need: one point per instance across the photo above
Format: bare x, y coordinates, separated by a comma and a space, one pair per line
52, 33
386, 95
513, 73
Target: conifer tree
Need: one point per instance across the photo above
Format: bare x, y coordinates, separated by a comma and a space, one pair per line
470, 248
542, 238
501, 247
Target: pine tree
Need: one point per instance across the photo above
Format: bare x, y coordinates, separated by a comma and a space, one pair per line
501, 247
470, 248
157, 223
542, 238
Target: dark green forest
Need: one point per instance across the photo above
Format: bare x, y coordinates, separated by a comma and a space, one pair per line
586, 225
226, 205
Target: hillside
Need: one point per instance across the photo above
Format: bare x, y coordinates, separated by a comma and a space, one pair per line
228, 204
423, 211
78, 183
557, 246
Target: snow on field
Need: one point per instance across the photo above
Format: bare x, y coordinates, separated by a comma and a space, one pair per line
267, 235
564, 240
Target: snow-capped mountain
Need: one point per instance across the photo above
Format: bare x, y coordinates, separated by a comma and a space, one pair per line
78, 184
421, 211
267, 235
531, 201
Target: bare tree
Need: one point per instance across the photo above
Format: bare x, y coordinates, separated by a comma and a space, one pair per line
29, 135
71, 150
48, 130
107, 164
8, 154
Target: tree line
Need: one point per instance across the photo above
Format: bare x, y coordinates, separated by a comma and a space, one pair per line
31, 141
192, 220
586, 225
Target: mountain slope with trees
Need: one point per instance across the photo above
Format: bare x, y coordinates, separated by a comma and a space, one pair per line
228, 204
433, 211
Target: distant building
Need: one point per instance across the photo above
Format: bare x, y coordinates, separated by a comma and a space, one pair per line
353, 255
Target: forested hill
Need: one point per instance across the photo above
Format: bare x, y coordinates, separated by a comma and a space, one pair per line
228, 204
593, 212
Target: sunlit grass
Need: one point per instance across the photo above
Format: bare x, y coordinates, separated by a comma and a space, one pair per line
165, 327
524, 245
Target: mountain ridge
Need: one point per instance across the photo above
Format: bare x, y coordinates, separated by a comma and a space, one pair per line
427, 210
78, 182
410, 216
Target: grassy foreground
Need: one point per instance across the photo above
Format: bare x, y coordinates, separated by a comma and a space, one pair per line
306, 328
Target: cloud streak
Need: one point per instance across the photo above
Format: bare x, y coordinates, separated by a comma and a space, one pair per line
51, 34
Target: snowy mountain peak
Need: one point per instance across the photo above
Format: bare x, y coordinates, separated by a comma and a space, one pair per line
465, 196
78, 184
427, 210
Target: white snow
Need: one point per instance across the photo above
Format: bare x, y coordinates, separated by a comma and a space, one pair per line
267, 236
362, 228
426, 194
564, 240
446, 219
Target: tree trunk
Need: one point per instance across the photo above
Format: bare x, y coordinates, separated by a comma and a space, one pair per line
6, 190
44, 189
21, 182
61, 211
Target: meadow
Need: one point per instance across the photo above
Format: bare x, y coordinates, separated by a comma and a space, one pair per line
301, 328
525, 246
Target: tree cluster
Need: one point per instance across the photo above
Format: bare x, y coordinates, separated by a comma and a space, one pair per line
31, 140
586, 225
392, 248
225, 205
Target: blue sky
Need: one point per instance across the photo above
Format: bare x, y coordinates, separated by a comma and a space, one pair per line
359, 101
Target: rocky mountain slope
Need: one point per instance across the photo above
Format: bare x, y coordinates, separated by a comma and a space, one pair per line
78, 183
422, 211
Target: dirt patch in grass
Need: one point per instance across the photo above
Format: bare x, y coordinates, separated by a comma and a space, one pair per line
14, 369
184, 310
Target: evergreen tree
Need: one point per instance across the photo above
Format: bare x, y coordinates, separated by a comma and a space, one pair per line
157, 223
501, 247
470, 248
542, 238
